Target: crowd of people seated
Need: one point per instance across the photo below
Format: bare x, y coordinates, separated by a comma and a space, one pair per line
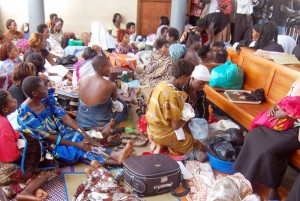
175, 67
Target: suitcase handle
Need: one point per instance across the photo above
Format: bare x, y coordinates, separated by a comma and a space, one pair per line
164, 188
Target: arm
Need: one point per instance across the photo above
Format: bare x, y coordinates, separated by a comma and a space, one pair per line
81, 145
177, 124
50, 60
73, 124
114, 94
211, 32
286, 10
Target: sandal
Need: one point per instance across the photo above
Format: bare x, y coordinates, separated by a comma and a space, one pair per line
117, 130
137, 141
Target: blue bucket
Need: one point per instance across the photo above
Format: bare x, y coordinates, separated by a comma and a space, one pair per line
220, 165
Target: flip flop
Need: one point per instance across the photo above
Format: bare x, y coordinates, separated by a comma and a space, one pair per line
137, 141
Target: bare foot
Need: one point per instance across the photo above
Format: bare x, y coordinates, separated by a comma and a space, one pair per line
88, 171
25, 196
105, 130
152, 146
40, 193
126, 152
132, 94
96, 164
158, 149
117, 158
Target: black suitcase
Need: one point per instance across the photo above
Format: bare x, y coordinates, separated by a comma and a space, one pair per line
152, 174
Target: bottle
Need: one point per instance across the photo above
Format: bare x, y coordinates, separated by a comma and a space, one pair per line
124, 76
119, 176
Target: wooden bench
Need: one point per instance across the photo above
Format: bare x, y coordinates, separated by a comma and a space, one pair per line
274, 78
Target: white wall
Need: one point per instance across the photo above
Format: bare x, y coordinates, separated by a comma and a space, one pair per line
77, 14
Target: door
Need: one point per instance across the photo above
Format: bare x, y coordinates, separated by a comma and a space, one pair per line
148, 13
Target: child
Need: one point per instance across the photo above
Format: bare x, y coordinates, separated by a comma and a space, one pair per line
291, 110
12, 177
123, 38
51, 124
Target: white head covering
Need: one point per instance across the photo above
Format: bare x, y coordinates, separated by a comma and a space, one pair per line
201, 73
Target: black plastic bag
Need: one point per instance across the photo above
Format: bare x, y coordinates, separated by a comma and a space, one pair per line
70, 59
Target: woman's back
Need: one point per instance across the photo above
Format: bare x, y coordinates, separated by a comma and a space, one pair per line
94, 90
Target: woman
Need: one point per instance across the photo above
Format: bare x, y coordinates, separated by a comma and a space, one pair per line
194, 88
256, 30
123, 39
37, 44
98, 97
159, 64
12, 34
41, 115
10, 55
56, 31
14, 175
265, 154
164, 117
268, 38
116, 25
21, 71
163, 22
51, 23
84, 66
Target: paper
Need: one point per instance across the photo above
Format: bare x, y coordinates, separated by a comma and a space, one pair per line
186, 174
285, 59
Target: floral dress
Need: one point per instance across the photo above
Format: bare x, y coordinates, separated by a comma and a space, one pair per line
49, 122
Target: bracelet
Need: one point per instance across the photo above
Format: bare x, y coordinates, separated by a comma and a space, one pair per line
58, 140
79, 130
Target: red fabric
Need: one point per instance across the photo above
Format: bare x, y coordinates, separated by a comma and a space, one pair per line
225, 6
143, 124
290, 105
9, 150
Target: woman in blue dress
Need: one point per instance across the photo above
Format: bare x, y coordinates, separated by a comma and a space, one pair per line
50, 123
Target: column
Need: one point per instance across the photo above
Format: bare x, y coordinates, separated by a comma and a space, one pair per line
178, 12
36, 14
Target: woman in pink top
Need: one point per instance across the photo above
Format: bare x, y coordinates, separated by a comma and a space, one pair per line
15, 171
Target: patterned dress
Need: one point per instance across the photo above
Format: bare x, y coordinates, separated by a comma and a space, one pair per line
164, 105
156, 70
49, 122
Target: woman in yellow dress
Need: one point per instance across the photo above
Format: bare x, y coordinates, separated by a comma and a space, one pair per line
164, 116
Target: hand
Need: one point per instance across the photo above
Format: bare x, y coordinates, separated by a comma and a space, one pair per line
91, 142
97, 48
279, 114
272, 110
83, 146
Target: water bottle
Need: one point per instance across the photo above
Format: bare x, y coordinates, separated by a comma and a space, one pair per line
119, 176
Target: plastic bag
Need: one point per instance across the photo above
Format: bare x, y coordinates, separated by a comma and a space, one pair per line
228, 76
225, 145
198, 128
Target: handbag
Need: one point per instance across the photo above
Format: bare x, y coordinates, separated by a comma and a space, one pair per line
70, 59
153, 174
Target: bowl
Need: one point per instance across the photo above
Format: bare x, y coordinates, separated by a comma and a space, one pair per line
220, 165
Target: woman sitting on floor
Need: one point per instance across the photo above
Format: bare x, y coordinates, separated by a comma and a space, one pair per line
164, 116
37, 44
84, 66
14, 177
12, 34
99, 102
194, 88
10, 55
123, 39
21, 71
49, 122
159, 64
266, 152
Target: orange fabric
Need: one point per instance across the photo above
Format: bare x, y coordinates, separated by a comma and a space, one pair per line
122, 60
